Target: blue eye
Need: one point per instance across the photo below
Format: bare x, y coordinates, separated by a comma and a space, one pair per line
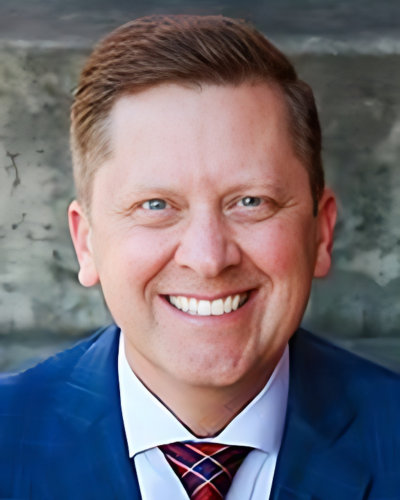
155, 204
250, 201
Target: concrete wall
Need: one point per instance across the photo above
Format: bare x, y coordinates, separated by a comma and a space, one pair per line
359, 101
42, 306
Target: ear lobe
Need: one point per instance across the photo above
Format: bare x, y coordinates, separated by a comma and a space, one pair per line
81, 237
327, 212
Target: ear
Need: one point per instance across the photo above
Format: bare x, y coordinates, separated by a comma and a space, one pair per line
327, 212
81, 237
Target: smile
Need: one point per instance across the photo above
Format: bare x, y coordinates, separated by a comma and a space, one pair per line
217, 307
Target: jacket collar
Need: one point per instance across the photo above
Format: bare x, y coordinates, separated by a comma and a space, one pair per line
312, 462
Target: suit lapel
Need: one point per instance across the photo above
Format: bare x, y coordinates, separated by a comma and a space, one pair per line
315, 460
89, 408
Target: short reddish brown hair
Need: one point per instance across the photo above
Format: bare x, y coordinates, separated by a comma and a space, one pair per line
187, 50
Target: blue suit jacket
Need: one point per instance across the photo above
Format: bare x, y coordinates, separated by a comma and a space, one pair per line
62, 435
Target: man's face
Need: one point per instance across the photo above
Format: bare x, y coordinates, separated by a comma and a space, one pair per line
204, 199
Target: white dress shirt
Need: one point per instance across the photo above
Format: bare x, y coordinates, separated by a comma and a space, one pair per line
149, 424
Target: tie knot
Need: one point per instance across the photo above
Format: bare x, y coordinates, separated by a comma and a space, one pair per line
206, 470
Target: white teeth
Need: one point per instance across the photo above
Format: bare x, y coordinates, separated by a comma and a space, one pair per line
228, 304
193, 305
206, 307
217, 307
235, 302
184, 304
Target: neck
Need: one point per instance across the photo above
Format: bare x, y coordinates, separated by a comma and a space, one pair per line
205, 411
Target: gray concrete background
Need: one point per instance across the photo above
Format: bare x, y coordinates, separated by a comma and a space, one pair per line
348, 51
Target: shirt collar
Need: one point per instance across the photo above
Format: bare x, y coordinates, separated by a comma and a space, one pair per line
148, 423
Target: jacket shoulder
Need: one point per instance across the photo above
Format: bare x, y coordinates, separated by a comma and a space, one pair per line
358, 399
366, 386
23, 393
350, 384
38, 408
349, 368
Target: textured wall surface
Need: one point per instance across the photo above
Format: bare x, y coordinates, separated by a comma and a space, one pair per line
357, 85
42, 303
359, 101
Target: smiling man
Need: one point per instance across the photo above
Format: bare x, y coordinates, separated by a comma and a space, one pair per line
203, 214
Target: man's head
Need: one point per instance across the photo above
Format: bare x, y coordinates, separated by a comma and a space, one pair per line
202, 188
190, 51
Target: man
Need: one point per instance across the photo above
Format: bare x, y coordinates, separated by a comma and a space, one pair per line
202, 212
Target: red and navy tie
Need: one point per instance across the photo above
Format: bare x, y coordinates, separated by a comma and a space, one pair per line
206, 470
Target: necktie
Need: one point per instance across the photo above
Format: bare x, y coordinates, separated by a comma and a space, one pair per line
206, 470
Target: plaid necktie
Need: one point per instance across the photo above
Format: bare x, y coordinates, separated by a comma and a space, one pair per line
206, 470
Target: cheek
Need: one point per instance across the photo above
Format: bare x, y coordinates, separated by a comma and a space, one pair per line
130, 259
281, 250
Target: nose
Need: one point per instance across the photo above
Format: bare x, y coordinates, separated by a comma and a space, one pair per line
207, 246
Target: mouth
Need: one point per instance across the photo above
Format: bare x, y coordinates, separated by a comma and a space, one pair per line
195, 307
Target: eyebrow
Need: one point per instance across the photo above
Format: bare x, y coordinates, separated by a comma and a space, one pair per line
238, 187
276, 188
150, 187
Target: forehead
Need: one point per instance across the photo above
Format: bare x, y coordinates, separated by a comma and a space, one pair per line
212, 113
215, 135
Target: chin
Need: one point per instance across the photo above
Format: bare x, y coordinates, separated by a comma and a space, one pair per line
211, 372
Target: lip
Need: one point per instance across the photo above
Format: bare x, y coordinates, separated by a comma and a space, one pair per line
232, 317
